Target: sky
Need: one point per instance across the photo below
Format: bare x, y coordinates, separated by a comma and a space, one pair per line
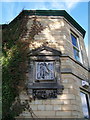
77, 9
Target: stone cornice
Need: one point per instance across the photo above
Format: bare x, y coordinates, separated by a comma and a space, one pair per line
61, 13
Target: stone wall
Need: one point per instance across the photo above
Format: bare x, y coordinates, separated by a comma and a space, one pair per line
67, 105
56, 34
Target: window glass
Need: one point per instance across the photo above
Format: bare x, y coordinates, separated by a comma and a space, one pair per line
75, 48
74, 40
76, 54
84, 104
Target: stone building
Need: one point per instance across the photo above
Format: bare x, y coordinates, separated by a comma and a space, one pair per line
58, 67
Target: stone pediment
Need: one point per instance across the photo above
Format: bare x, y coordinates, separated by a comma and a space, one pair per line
45, 50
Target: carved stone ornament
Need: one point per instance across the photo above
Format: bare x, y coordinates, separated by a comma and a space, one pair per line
45, 94
44, 73
44, 70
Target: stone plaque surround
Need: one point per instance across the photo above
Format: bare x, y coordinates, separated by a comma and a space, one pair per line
45, 87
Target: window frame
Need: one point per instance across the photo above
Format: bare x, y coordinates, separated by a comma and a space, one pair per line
72, 34
76, 48
87, 100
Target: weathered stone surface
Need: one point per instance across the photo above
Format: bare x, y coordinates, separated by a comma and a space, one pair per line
41, 107
48, 107
45, 113
34, 107
57, 107
63, 113
56, 34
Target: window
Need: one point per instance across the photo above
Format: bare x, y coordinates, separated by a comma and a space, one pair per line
76, 54
74, 40
85, 104
44, 70
75, 47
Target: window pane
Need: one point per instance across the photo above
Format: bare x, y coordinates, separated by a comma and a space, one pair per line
84, 105
74, 41
76, 54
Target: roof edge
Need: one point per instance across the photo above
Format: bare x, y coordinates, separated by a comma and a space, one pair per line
52, 13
